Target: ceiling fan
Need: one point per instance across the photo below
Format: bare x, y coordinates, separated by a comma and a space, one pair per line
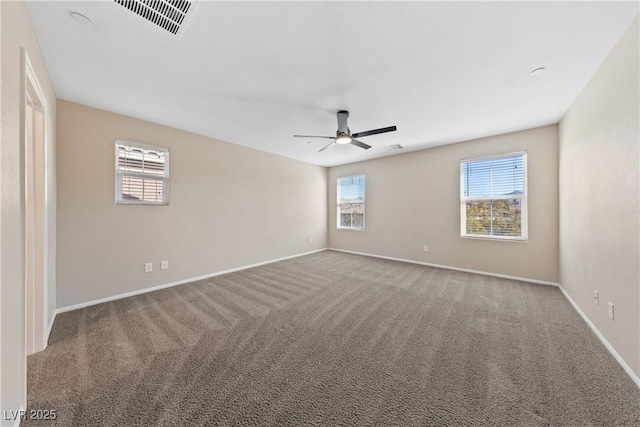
344, 136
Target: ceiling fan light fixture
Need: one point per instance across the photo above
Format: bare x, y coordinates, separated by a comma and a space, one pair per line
343, 139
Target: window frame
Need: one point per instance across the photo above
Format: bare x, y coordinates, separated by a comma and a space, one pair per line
119, 174
338, 204
524, 200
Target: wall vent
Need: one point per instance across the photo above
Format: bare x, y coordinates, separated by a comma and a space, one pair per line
395, 147
170, 15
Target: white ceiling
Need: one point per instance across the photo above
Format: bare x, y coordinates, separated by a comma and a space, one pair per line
255, 73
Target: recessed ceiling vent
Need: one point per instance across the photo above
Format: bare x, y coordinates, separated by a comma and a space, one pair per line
170, 15
395, 147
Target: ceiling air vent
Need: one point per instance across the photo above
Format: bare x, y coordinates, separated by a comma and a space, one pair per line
170, 15
395, 147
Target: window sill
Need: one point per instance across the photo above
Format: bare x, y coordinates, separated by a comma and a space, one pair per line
496, 239
120, 203
351, 228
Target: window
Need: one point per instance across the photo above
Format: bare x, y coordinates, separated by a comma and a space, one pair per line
142, 174
351, 202
493, 197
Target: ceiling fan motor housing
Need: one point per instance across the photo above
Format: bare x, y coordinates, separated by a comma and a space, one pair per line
343, 115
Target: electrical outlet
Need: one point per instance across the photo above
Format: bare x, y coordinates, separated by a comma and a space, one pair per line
164, 265
611, 311
148, 267
425, 248
596, 297
310, 240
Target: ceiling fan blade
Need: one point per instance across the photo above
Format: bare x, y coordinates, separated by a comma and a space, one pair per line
342, 121
360, 144
326, 146
374, 132
314, 136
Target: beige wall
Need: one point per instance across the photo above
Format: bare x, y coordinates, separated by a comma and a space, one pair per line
599, 190
413, 199
230, 206
17, 34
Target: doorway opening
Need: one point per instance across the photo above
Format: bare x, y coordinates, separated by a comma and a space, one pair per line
35, 213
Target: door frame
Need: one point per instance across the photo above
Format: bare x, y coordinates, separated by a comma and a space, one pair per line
35, 211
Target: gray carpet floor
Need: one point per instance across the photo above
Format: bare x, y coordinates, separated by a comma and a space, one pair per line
332, 339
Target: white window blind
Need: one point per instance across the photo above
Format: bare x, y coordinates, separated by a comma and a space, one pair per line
351, 202
142, 174
493, 202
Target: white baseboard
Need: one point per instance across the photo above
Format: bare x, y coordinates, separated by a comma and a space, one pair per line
168, 285
634, 377
466, 270
53, 319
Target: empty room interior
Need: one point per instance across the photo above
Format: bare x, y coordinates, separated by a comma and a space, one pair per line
319, 213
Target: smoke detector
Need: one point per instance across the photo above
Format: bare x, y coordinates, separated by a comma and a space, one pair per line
170, 15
